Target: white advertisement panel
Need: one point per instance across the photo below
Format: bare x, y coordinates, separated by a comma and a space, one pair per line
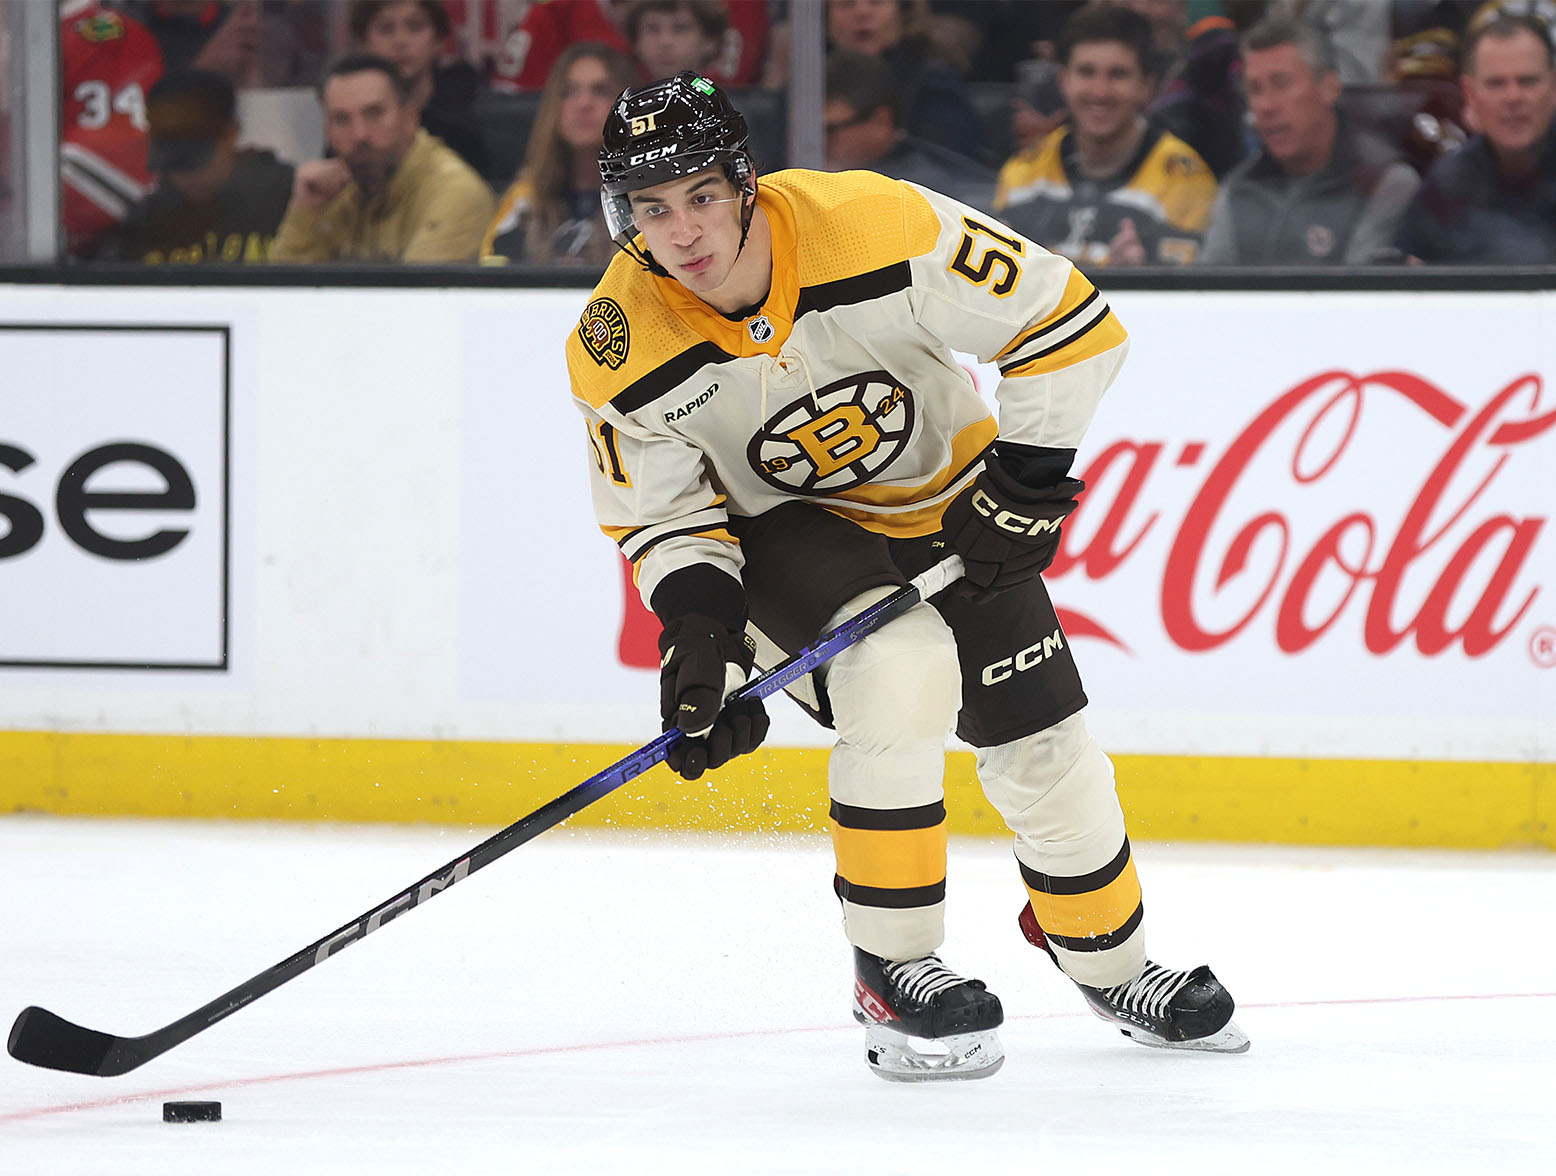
1316, 524
114, 517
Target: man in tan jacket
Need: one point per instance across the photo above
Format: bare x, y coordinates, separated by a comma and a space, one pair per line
391, 192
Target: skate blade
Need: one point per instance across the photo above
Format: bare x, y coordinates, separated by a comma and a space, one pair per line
896, 1057
1228, 1039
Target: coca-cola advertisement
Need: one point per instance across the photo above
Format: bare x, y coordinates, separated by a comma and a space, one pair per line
1320, 532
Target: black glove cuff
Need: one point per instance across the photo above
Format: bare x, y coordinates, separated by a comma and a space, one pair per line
701, 590
1027, 494
734, 646
1032, 465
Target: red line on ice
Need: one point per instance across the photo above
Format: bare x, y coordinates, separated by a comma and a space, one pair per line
688, 1039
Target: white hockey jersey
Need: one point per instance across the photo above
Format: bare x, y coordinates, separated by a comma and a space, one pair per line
843, 389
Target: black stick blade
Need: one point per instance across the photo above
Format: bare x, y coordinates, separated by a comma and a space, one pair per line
40, 1038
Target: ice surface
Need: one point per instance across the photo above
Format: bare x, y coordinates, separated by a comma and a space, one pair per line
609, 1002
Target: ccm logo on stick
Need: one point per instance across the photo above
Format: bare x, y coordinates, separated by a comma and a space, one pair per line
1038, 651
74, 502
1009, 520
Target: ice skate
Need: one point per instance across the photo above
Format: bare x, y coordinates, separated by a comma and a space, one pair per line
924, 1023
1161, 1007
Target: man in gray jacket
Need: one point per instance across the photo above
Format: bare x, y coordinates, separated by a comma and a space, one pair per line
1319, 191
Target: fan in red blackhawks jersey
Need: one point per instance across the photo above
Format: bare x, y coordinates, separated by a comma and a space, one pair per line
783, 436
109, 61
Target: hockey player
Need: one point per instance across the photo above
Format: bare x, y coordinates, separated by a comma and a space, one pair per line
781, 437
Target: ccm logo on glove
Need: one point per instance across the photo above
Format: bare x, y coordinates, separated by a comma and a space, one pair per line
1009, 520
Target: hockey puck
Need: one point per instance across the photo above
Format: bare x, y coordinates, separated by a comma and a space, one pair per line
191, 1112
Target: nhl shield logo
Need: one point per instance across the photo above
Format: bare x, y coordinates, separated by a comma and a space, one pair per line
760, 329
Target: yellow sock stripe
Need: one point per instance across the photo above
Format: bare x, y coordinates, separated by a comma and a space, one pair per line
891, 859
890, 848
1098, 911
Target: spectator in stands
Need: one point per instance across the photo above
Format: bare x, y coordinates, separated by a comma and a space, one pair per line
1203, 102
933, 97
411, 35
1319, 191
205, 34
1169, 28
860, 118
530, 50
1037, 107
1359, 33
999, 35
1494, 199
391, 192
671, 35
1424, 81
215, 202
551, 214
108, 62
1108, 189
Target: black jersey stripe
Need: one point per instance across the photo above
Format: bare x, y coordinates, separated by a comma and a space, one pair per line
637, 556
1078, 883
892, 899
1103, 942
859, 288
1048, 328
667, 377
924, 816
1014, 362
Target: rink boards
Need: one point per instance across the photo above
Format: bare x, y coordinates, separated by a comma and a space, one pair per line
329, 554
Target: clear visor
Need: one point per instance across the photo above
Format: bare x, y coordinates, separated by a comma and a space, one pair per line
625, 218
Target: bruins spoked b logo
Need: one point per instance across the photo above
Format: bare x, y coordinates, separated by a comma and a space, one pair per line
841, 437
603, 330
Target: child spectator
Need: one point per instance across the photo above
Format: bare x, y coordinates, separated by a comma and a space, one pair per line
551, 214
411, 34
547, 28
671, 35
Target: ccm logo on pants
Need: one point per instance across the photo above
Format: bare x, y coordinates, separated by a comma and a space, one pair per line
1009, 520
1038, 651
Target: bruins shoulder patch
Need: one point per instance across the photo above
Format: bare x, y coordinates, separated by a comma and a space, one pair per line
603, 330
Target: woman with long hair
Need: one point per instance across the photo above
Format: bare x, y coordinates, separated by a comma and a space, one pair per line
551, 213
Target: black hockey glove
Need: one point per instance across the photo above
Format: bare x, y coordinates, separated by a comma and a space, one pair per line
1005, 531
702, 660
704, 655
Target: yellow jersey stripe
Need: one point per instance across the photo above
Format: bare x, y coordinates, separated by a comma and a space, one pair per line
1097, 339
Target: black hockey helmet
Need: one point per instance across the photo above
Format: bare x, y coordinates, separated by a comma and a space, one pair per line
663, 131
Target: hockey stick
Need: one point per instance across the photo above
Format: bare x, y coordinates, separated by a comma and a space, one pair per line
40, 1038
